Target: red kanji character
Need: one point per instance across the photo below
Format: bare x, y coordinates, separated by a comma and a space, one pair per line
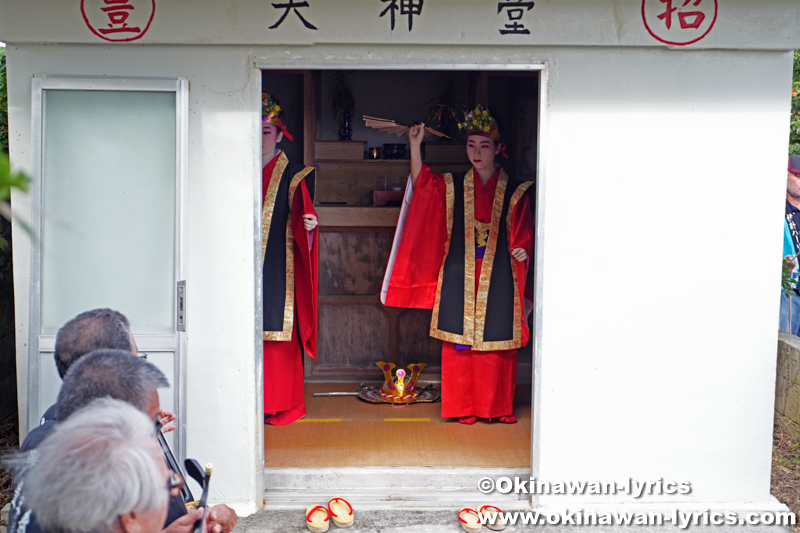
699, 16
668, 13
679, 22
118, 12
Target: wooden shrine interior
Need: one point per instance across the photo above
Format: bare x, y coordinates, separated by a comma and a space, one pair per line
355, 329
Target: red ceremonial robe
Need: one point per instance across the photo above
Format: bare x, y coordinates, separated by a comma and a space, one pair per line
283, 366
481, 380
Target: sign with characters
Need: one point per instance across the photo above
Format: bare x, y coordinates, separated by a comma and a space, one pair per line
679, 22
118, 20
661, 23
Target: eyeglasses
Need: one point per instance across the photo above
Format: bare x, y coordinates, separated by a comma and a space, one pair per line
175, 483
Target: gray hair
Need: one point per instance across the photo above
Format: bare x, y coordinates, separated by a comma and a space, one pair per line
98, 465
109, 373
90, 331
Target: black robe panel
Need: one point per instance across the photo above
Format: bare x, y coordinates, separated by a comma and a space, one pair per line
274, 267
500, 305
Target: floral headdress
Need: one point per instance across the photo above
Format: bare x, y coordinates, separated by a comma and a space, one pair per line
270, 113
480, 122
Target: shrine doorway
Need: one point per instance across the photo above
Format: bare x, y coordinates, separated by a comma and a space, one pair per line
355, 329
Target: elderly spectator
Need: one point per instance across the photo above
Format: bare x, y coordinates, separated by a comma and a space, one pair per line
111, 373
104, 373
101, 471
119, 375
93, 330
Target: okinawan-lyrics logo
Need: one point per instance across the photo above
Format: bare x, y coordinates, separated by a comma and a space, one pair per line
679, 22
118, 20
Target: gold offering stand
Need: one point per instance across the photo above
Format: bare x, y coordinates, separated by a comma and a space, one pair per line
401, 389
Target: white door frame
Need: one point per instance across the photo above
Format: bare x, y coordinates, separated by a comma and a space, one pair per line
177, 342
536, 334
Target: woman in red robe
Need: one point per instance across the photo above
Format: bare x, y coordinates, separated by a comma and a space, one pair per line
289, 270
462, 248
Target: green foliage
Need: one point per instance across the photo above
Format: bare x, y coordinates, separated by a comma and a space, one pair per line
10, 180
794, 124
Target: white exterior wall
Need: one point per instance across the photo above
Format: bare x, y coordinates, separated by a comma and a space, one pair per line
664, 184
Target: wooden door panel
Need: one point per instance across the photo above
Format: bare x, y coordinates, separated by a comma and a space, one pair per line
355, 329
354, 336
415, 345
353, 263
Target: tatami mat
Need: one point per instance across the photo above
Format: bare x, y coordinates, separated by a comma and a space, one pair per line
345, 431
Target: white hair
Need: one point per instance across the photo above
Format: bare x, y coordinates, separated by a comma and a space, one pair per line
95, 467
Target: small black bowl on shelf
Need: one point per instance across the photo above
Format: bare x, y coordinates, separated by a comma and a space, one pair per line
394, 151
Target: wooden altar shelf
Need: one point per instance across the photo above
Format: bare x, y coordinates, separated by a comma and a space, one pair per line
345, 150
352, 182
357, 216
344, 431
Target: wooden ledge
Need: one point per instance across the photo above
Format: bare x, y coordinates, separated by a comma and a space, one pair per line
358, 216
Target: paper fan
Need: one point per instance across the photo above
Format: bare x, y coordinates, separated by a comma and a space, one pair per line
390, 126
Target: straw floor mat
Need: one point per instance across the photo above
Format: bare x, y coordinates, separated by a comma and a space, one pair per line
345, 431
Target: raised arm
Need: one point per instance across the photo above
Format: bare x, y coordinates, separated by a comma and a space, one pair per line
415, 136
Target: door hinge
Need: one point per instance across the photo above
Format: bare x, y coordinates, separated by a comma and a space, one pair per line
181, 319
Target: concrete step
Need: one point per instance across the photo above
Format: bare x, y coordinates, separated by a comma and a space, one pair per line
398, 501
388, 487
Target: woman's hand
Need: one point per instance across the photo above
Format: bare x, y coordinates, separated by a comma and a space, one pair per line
519, 254
310, 222
416, 134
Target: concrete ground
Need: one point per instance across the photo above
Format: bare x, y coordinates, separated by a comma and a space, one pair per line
405, 521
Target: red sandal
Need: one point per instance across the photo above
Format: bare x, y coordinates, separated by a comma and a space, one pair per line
470, 522
315, 521
492, 516
341, 512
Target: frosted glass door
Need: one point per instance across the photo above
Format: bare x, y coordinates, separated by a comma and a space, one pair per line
108, 196
108, 224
